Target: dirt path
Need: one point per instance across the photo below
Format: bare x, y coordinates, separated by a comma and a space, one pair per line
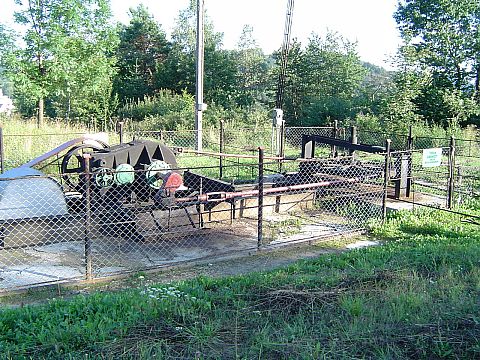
234, 265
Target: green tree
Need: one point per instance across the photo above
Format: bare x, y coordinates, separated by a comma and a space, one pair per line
65, 62
323, 80
178, 71
442, 39
252, 70
143, 47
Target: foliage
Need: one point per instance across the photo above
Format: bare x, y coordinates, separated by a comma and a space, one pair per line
65, 62
415, 296
442, 40
177, 73
143, 47
252, 71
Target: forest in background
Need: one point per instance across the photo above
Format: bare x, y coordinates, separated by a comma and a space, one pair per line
74, 63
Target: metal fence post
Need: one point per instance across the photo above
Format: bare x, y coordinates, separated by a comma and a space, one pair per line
2, 152
451, 173
353, 140
334, 135
222, 145
120, 131
386, 178
88, 218
260, 198
410, 138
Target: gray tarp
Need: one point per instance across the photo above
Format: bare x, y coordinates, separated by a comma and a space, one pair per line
28, 193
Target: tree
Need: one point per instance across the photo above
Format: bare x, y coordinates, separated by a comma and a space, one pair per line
252, 70
322, 80
142, 49
442, 39
66, 60
178, 71
444, 35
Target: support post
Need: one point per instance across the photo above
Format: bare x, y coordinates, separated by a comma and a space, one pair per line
199, 106
353, 140
120, 131
260, 198
2, 152
451, 173
408, 189
334, 135
410, 138
222, 147
88, 218
386, 178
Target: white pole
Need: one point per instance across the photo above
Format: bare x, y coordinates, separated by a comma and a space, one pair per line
199, 107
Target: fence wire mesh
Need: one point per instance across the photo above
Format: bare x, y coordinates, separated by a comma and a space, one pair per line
85, 225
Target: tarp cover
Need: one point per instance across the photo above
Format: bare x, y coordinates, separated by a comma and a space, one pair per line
28, 193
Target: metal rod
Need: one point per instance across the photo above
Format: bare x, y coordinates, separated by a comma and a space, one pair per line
410, 138
386, 176
260, 198
353, 140
334, 135
88, 218
225, 155
222, 145
451, 173
222, 196
120, 131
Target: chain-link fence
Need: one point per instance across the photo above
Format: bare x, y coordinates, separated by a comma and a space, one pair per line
103, 221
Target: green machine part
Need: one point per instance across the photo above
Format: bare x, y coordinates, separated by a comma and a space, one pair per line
124, 174
104, 177
156, 172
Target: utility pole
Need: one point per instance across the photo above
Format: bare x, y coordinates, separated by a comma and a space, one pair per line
199, 105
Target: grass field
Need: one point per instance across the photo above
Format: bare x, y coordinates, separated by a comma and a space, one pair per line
415, 296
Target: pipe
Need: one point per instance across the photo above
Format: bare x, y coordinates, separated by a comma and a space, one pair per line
222, 196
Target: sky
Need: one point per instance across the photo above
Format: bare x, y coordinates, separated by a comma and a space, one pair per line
368, 22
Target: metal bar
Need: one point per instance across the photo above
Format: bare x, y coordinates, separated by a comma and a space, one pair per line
120, 131
260, 198
222, 196
334, 136
222, 150
353, 141
451, 173
346, 144
88, 218
386, 175
225, 155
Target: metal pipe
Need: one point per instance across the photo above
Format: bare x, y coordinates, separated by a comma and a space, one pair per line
88, 217
222, 195
199, 76
260, 193
221, 148
386, 176
230, 155
451, 173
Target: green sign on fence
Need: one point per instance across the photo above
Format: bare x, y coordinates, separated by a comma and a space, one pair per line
432, 157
